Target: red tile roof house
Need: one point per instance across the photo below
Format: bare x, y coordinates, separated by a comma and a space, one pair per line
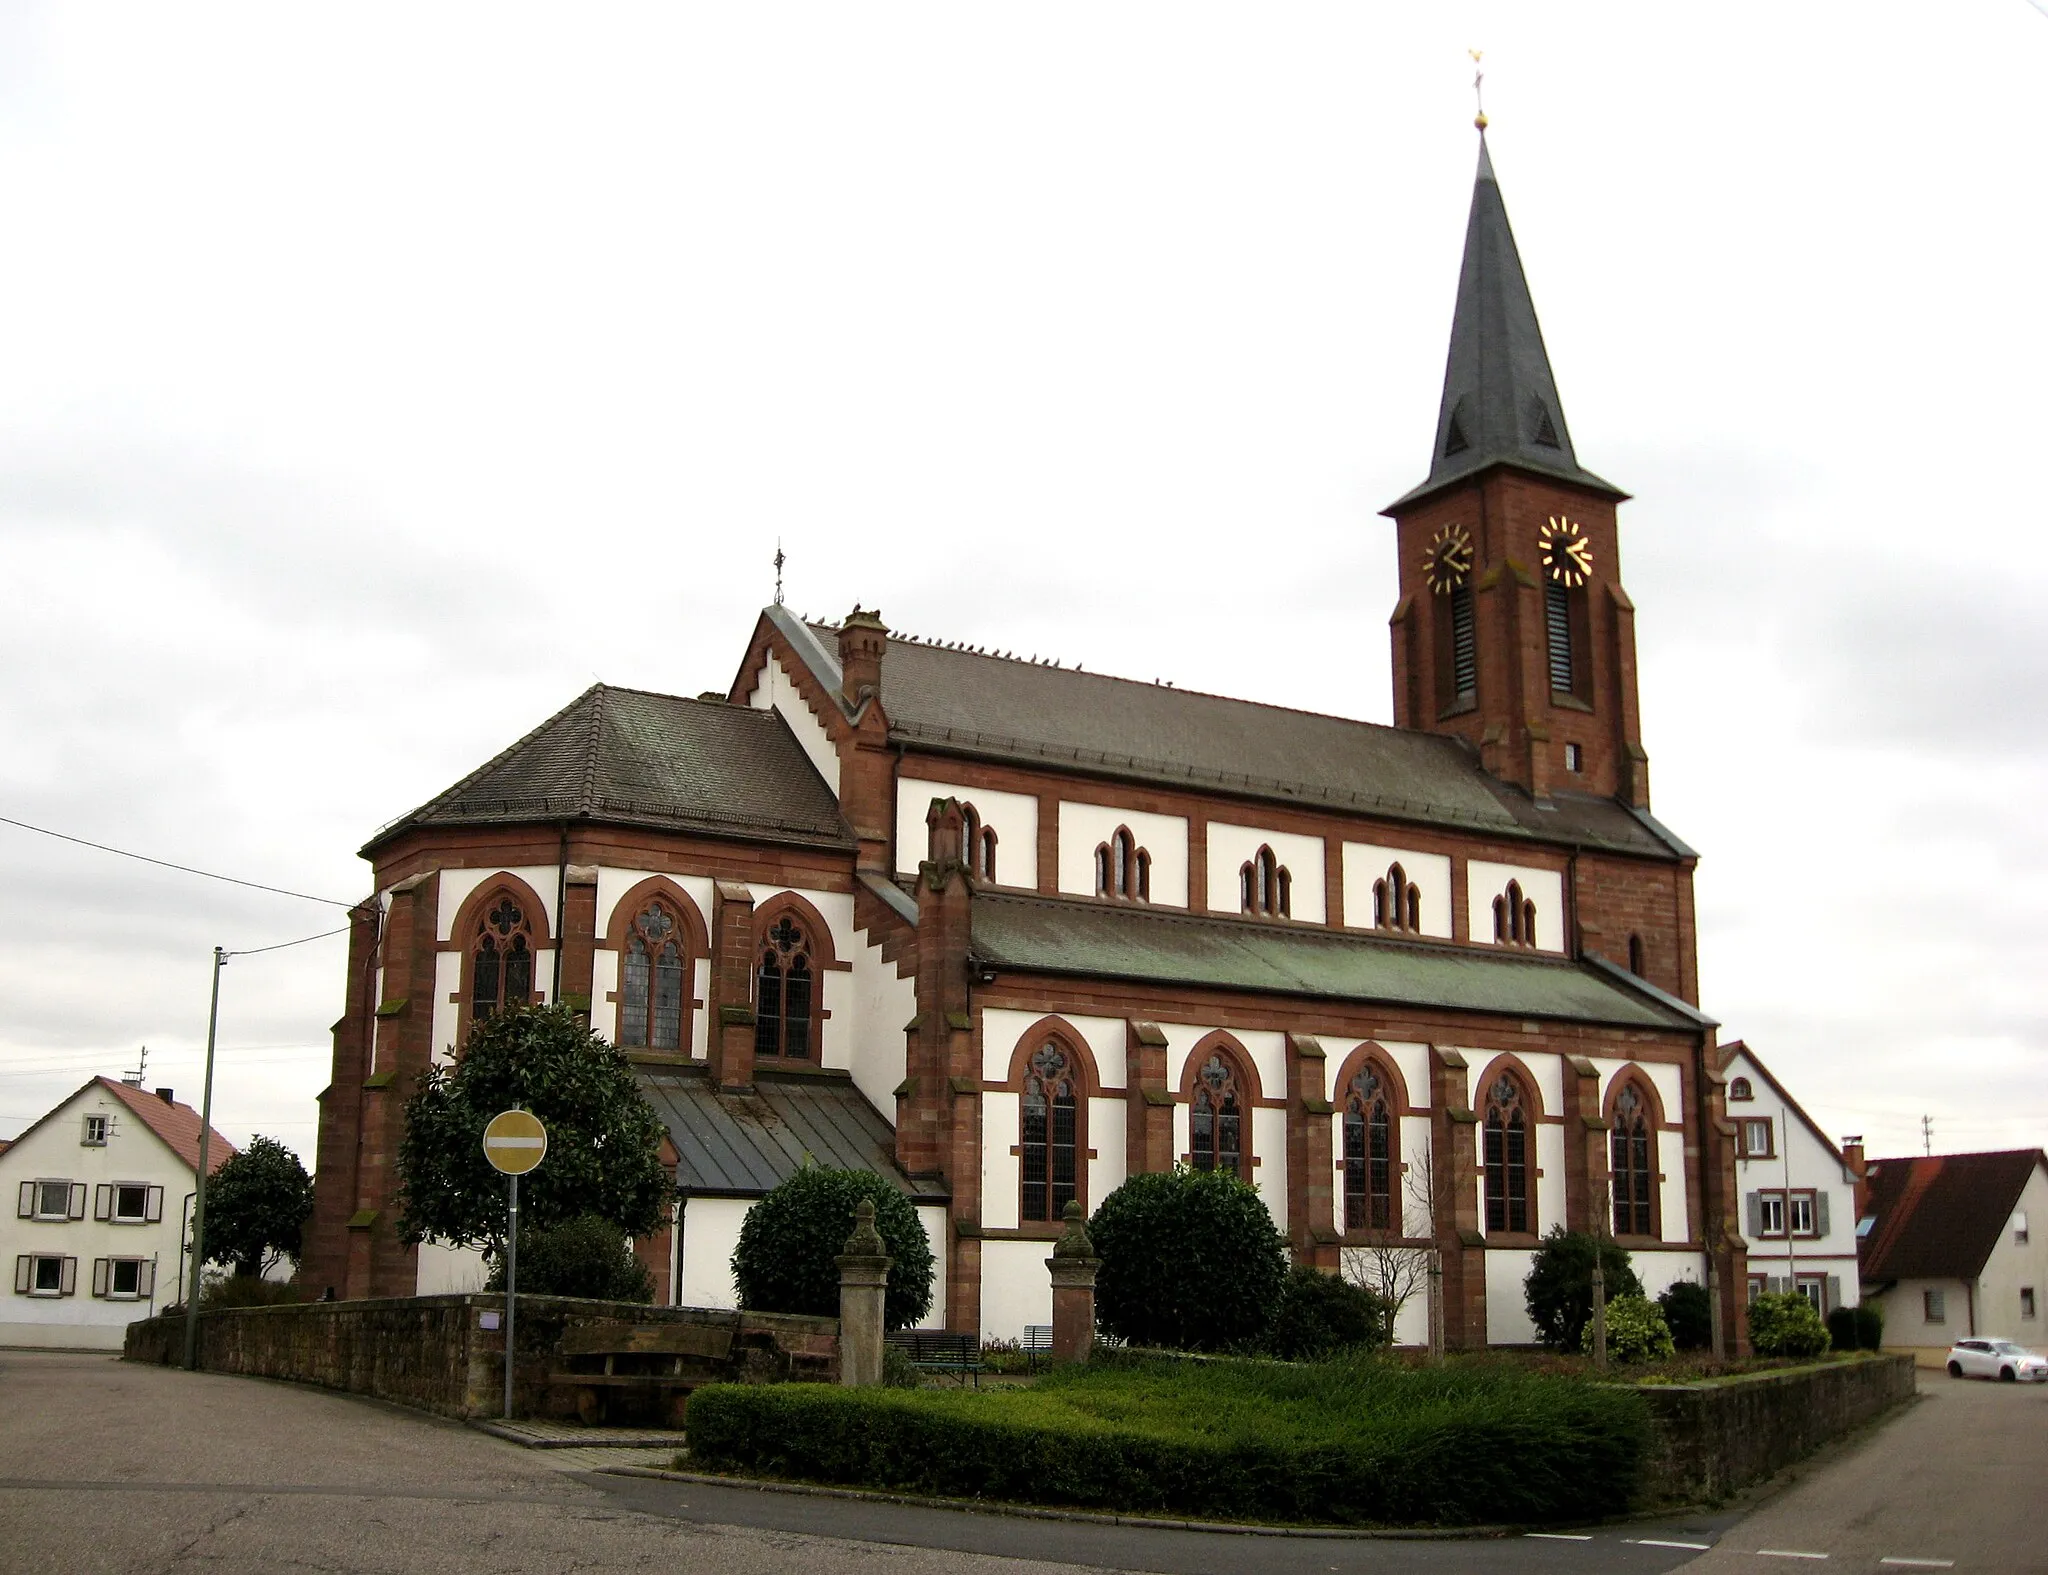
100, 1187
1955, 1245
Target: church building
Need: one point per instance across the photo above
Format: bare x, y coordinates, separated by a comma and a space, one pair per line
1008, 931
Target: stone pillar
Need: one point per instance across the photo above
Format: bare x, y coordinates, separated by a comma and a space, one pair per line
863, 1288
1073, 1264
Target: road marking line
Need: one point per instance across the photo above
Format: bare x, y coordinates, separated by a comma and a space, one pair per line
1558, 1536
1652, 1542
1786, 1553
1921, 1564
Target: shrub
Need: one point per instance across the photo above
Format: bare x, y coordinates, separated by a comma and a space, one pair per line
1360, 1441
1636, 1331
1319, 1313
1785, 1324
1688, 1313
246, 1290
1190, 1261
789, 1240
1869, 1326
586, 1256
1842, 1328
1559, 1286
257, 1204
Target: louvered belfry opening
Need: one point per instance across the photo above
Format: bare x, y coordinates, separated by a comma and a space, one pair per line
1557, 622
1464, 645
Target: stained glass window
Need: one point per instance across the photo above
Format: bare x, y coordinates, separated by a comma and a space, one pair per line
1368, 1154
1630, 1169
1216, 1119
501, 959
1048, 1134
651, 982
782, 1007
1507, 1157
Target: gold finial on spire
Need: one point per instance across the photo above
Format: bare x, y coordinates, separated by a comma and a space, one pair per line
1478, 98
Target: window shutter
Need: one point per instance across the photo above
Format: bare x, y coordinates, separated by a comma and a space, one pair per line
1834, 1291
68, 1284
102, 1201
1820, 1212
1753, 1213
26, 1208
24, 1272
100, 1269
145, 1277
153, 1209
77, 1202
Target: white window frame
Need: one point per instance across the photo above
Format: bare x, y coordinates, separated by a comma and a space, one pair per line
95, 1131
141, 1215
68, 1210
106, 1270
28, 1274
1749, 1125
1799, 1202
1765, 1203
1934, 1306
1814, 1287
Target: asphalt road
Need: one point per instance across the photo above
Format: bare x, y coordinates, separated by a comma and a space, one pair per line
110, 1467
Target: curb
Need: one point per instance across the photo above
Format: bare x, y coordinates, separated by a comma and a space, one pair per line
974, 1506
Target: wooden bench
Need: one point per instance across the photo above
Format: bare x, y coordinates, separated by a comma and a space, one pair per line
941, 1351
663, 1361
1036, 1344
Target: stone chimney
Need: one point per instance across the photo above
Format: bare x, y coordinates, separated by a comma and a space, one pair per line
1852, 1162
863, 638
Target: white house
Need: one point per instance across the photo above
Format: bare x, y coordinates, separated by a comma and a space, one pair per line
1798, 1191
101, 1187
1950, 1251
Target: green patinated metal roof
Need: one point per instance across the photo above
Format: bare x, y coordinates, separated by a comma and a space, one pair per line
1156, 946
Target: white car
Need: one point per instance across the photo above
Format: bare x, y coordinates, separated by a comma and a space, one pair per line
1996, 1359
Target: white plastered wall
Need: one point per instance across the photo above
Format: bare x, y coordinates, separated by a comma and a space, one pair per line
1012, 816
883, 1004
1803, 1155
1016, 1287
1507, 1306
1002, 1030
1430, 873
2011, 1266
775, 690
1545, 888
933, 1217
457, 886
1302, 857
1085, 827
711, 1229
443, 1268
1659, 1270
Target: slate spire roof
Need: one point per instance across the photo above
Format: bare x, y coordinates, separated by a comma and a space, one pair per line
1500, 403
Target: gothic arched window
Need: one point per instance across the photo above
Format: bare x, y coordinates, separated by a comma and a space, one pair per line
1635, 955
782, 1005
1514, 917
1265, 885
977, 844
1216, 1118
1508, 1123
1048, 1133
1122, 868
1369, 1136
651, 981
501, 958
1396, 901
1629, 1166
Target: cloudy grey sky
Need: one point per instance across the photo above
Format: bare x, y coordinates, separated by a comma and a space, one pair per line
372, 379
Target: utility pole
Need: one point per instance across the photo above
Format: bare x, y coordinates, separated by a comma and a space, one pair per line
220, 961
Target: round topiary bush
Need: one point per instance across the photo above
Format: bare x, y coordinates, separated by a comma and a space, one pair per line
1320, 1313
1636, 1331
789, 1240
1869, 1326
1559, 1287
1785, 1324
1190, 1261
1688, 1313
584, 1256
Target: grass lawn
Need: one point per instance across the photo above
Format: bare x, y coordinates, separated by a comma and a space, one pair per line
1360, 1442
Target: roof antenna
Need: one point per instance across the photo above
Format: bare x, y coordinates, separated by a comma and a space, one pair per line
134, 1079
779, 560
1478, 98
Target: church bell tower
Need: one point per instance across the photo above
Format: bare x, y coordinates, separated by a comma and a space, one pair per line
1513, 630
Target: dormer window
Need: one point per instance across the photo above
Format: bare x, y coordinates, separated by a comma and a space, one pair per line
1265, 885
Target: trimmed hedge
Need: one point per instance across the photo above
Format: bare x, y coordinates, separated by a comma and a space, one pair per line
1357, 1442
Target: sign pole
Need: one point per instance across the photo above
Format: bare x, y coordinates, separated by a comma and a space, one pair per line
511, 1293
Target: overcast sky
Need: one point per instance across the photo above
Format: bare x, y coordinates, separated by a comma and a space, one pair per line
372, 379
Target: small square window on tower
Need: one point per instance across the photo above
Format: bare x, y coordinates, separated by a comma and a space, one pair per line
1574, 758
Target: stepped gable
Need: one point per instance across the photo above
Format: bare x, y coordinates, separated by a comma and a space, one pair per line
629, 757
1939, 1217
1029, 713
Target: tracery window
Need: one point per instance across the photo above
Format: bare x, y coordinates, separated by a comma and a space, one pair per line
1514, 917
782, 997
1216, 1118
1396, 901
501, 958
1048, 1133
977, 844
1629, 1166
1508, 1120
1265, 885
1368, 1153
651, 981
1122, 868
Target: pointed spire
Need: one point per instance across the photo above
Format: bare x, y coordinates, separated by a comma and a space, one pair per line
1500, 403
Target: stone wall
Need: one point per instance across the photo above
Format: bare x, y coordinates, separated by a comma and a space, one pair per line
434, 1352
1709, 1439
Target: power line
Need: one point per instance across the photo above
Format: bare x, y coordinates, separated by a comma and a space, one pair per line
251, 951
183, 869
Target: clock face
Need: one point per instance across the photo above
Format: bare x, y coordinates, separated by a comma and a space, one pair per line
1567, 555
1448, 560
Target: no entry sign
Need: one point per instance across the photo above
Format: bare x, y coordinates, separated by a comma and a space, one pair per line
515, 1142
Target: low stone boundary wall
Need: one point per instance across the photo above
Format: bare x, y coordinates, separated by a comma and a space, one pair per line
1710, 1439
434, 1352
